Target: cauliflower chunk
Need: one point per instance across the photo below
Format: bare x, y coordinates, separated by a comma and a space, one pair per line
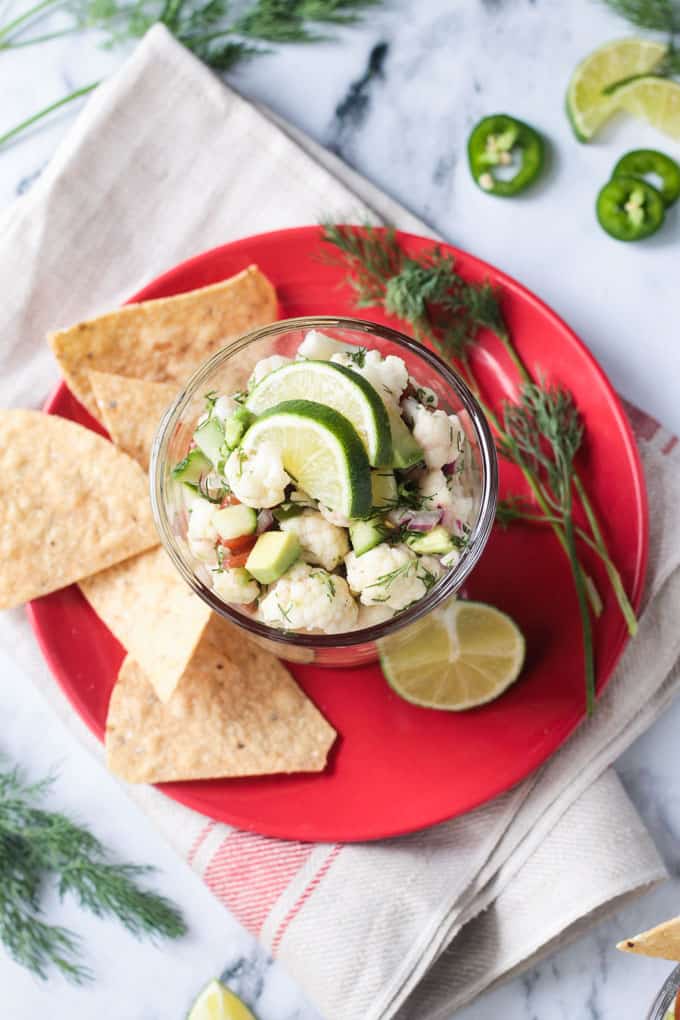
317, 346
257, 477
442, 493
265, 366
439, 434
309, 598
387, 575
320, 541
371, 616
388, 376
225, 407
234, 584
201, 532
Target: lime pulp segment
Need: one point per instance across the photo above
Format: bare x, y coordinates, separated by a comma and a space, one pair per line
337, 387
656, 100
320, 450
219, 1003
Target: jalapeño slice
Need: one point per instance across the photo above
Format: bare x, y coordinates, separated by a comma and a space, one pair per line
629, 209
498, 142
648, 162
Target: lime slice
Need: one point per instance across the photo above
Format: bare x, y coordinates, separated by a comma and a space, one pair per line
458, 657
217, 1003
588, 104
320, 450
656, 100
338, 387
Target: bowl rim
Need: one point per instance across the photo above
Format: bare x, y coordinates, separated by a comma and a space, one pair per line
665, 996
449, 584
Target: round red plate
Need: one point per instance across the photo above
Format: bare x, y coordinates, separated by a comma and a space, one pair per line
396, 768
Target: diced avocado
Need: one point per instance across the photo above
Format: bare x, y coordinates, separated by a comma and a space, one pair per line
272, 554
191, 469
365, 535
405, 450
209, 438
235, 521
383, 488
431, 543
237, 425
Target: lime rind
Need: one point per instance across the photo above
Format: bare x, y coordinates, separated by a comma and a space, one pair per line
321, 451
338, 387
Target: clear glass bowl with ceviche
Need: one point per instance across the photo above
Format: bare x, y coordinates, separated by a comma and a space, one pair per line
667, 1003
324, 483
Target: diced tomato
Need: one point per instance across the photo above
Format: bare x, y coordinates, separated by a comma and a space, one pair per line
238, 559
244, 543
229, 500
677, 1007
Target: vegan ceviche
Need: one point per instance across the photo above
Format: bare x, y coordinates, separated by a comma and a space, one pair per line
332, 493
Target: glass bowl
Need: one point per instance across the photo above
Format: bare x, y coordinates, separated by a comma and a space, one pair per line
227, 372
666, 997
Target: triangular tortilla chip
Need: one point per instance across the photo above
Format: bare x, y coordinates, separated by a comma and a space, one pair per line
130, 410
163, 340
72, 504
662, 941
154, 614
236, 712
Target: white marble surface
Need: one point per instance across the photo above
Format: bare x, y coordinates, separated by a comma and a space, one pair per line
438, 65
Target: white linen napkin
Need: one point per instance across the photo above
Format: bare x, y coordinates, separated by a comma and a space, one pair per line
163, 163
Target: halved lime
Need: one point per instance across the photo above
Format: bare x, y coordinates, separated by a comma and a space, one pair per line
589, 104
656, 100
460, 656
320, 450
217, 1003
339, 388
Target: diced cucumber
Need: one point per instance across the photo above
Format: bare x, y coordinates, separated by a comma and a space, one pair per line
192, 468
235, 521
236, 426
365, 535
272, 555
431, 543
209, 438
405, 450
383, 488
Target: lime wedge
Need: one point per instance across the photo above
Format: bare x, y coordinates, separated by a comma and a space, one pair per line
335, 386
217, 1003
656, 100
458, 657
588, 104
320, 450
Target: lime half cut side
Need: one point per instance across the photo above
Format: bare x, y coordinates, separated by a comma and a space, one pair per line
218, 1003
320, 450
337, 387
589, 103
656, 100
462, 655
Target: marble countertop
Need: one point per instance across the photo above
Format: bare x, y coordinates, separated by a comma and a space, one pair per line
395, 98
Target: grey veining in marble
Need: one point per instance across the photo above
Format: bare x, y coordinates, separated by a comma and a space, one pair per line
396, 98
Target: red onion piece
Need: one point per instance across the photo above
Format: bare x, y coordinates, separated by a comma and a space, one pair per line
416, 520
450, 469
265, 519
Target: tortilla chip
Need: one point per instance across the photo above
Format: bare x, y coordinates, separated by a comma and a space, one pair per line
236, 712
131, 410
662, 941
163, 340
154, 614
72, 504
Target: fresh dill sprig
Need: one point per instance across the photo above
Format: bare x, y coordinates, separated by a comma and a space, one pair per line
36, 845
206, 27
543, 433
427, 291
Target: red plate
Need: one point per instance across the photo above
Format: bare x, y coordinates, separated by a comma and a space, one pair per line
395, 767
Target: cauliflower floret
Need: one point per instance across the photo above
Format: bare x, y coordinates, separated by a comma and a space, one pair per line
388, 376
309, 598
234, 584
320, 541
429, 570
371, 616
446, 494
386, 574
433, 487
439, 434
225, 407
201, 533
265, 366
257, 477
423, 393
317, 346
